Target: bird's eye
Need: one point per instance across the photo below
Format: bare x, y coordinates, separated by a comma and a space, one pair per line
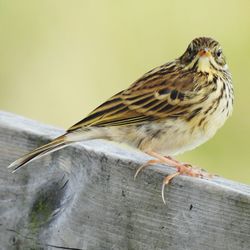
218, 53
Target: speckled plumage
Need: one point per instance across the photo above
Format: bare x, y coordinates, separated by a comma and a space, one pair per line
169, 110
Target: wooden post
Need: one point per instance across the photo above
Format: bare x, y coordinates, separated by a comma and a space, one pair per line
85, 197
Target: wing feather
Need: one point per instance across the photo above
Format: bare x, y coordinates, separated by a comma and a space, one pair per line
149, 98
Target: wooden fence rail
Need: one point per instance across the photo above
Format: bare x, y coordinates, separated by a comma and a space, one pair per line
85, 197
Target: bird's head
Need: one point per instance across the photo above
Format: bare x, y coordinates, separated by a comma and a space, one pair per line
204, 54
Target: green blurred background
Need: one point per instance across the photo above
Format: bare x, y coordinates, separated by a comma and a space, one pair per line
60, 59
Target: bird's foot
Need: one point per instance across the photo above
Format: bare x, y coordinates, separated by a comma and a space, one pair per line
182, 169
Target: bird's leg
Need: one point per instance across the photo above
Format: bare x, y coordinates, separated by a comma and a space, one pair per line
167, 160
170, 158
182, 169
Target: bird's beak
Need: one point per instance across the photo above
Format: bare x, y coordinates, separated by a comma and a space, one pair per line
204, 53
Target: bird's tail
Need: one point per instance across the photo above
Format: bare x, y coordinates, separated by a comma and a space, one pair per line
54, 145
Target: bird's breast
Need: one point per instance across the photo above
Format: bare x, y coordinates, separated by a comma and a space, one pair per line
216, 109
177, 135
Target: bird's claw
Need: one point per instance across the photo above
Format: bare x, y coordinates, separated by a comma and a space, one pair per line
167, 179
182, 169
147, 164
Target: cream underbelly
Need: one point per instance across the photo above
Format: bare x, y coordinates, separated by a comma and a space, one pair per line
171, 137
180, 137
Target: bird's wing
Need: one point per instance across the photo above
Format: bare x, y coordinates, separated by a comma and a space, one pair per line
154, 96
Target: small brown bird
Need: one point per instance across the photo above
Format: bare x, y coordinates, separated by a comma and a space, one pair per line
169, 110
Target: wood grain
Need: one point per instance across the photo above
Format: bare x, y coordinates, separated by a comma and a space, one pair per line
85, 197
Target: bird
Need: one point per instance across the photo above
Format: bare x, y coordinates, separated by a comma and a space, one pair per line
171, 109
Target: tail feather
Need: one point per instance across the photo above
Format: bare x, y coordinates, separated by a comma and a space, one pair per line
54, 145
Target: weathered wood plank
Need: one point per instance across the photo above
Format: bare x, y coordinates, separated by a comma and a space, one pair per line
84, 197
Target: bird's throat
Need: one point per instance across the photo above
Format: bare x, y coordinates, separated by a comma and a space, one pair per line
204, 64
